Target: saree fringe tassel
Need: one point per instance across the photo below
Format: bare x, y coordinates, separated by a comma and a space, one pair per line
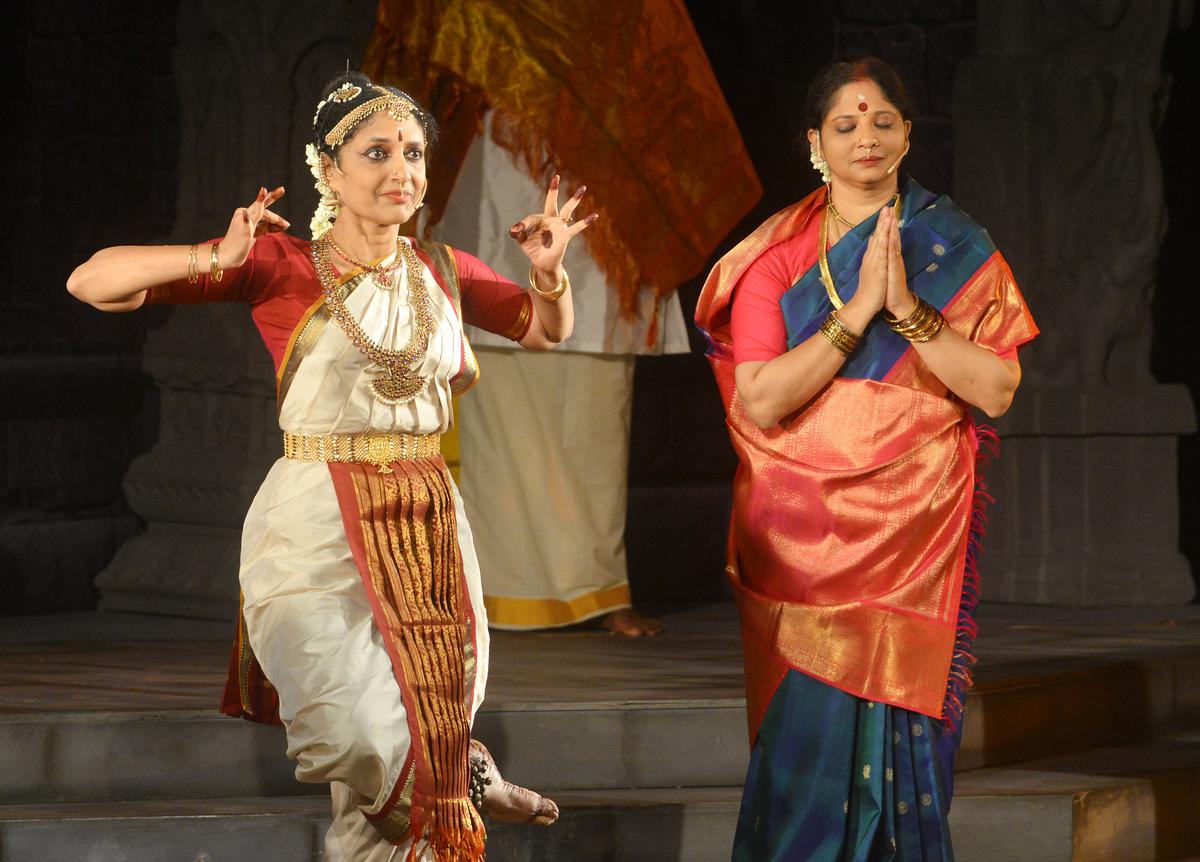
987, 449
454, 833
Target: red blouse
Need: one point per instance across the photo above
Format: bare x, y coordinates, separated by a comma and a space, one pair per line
279, 284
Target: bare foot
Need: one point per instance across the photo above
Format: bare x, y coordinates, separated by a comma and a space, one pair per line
506, 802
630, 623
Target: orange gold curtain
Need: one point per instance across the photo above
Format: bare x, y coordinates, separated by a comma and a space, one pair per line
619, 95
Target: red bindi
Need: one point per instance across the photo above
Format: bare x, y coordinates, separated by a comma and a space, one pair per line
862, 106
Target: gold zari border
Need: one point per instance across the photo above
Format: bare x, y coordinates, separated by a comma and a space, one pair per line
516, 612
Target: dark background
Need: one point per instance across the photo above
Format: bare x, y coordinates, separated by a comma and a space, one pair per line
93, 161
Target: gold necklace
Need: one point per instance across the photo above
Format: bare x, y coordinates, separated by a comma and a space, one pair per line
382, 273
399, 383
828, 202
823, 255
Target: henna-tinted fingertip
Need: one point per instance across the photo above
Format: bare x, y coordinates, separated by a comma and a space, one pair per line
592, 218
579, 191
554, 182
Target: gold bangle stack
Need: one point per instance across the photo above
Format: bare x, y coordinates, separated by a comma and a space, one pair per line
214, 270
549, 295
922, 324
840, 335
193, 269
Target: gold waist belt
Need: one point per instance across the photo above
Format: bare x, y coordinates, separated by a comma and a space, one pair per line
378, 449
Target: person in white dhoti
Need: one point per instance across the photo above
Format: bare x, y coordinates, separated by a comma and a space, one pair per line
363, 628
578, 406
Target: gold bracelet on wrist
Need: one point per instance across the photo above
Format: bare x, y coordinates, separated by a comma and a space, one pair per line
214, 270
840, 336
193, 269
549, 295
921, 324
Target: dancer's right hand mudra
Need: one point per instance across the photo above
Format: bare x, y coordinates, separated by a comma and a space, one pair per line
248, 223
117, 278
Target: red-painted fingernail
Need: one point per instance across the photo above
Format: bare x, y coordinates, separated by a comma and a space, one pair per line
554, 182
547, 239
579, 191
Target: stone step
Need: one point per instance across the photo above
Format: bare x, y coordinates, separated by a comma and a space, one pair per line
1134, 803
1036, 698
1130, 804
684, 742
686, 824
109, 757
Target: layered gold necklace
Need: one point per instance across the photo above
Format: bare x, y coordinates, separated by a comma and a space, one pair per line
400, 382
823, 241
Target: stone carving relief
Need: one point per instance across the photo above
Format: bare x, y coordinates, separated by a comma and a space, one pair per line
1057, 146
248, 77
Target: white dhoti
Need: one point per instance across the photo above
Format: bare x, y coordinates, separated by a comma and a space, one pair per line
544, 466
549, 528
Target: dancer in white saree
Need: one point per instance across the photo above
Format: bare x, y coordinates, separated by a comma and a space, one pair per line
363, 626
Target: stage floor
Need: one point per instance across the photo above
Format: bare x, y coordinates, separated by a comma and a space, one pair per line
126, 662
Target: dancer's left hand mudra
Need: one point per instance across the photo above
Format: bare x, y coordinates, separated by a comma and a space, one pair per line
543, 238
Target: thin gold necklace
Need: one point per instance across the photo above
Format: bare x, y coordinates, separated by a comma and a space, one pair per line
383, 274
829, 203
823, 255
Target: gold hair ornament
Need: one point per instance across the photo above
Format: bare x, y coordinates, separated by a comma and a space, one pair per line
399, 109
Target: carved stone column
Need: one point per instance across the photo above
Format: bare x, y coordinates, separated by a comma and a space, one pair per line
1055, 152
249, 78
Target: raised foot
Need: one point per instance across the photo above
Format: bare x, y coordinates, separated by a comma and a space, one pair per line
506, 802
631, 624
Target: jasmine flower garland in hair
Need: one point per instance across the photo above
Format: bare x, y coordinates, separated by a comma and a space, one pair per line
326, 211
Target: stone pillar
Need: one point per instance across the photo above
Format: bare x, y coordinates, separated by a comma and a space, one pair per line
248, 78
1054, 123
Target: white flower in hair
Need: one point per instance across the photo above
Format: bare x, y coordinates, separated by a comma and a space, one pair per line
326, 210
819, 164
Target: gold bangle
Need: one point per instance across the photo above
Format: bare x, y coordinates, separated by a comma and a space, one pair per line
193, 269
214, 270
549, 295
839, 335
921, 324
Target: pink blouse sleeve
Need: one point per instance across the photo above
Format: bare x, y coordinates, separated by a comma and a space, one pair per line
756, 320
491, 301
